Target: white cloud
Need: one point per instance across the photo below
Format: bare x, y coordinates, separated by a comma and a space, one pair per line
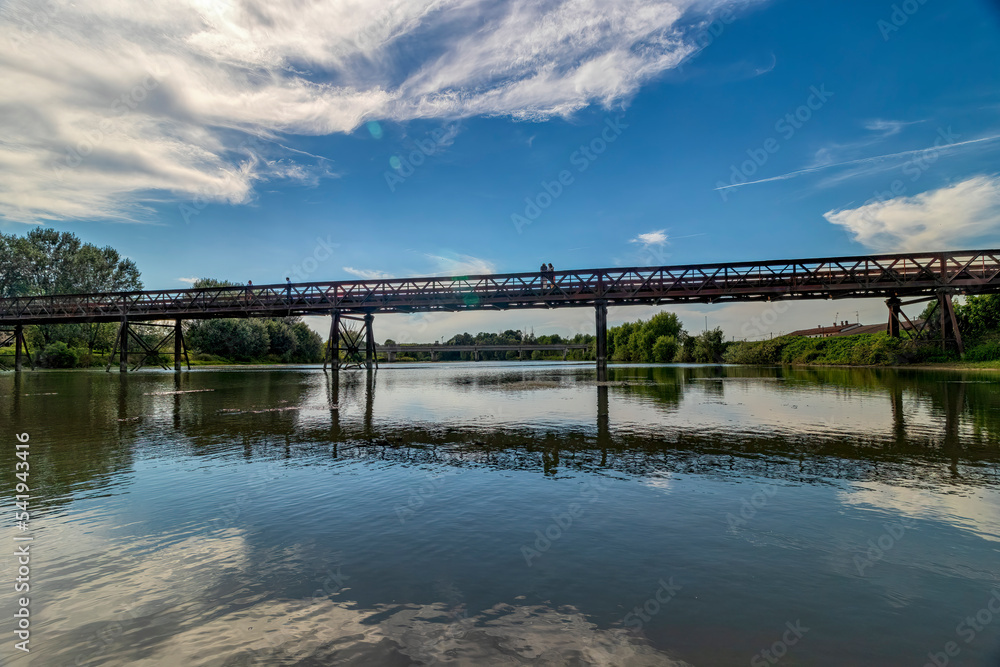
367, 274
888, 128
659, 237
190, 281
950, 217
461, 265
107, 105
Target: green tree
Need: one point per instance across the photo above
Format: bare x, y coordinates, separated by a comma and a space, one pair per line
979, 317
308, 344
710, 346
664, 349
45, 261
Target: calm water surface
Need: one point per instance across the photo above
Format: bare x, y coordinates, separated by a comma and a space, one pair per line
508, 514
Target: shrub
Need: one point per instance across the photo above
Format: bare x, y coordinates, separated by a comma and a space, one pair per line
984, 352
59, 355
664, 349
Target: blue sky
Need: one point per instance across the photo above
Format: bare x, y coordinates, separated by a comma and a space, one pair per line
252, 141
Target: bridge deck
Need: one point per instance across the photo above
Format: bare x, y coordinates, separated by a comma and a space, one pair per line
836, 277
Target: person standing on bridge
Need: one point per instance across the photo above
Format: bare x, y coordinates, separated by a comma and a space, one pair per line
552, 275
288, 288
543, 272
249, 290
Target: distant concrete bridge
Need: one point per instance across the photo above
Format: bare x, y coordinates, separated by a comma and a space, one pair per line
436, 348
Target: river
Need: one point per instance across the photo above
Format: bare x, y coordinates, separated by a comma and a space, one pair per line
506, 514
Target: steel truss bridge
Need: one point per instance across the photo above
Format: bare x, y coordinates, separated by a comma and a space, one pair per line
894, 277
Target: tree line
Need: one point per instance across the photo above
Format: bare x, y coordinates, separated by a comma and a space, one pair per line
661, 339
45, 262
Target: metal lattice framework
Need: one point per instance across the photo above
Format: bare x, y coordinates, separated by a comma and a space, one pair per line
833, 277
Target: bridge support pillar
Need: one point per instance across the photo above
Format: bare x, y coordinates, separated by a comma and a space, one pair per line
949, 323
123, 346
18, 343
391, 356
331, 353
893, 327
18, 338
178, 345
601, 310
369, 341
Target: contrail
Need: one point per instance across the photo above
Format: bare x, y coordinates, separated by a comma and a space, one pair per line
864, 160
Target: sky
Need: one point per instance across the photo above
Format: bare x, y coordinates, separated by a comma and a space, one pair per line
252, 140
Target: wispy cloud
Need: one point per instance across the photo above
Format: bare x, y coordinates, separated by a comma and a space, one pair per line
367, 274
875, 159
949, 217
111, 105
190, 281
888, 128
461, 265
657, 238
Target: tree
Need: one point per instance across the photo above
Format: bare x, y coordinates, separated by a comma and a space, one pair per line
664, 349
979, 317
243, 340
710, 346
45, 261
660, 325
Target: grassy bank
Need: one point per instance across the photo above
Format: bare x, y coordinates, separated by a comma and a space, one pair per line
862, 350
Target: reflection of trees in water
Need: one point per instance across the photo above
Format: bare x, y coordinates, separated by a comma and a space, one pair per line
85, 436
77, 442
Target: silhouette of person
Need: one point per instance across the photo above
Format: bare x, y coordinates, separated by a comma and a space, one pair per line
288, 287
552, 274
544, 273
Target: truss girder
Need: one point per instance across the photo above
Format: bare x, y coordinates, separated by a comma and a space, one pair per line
972, 271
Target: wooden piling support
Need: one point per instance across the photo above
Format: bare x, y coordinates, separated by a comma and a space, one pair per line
369, 341
601, 311
893, 326
178, 345
123, 346
18, 342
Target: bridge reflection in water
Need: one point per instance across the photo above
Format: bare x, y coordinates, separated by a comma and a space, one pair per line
209, 506
867, 423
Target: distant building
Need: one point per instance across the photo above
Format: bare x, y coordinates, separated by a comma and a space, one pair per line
842, 329
849, 329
